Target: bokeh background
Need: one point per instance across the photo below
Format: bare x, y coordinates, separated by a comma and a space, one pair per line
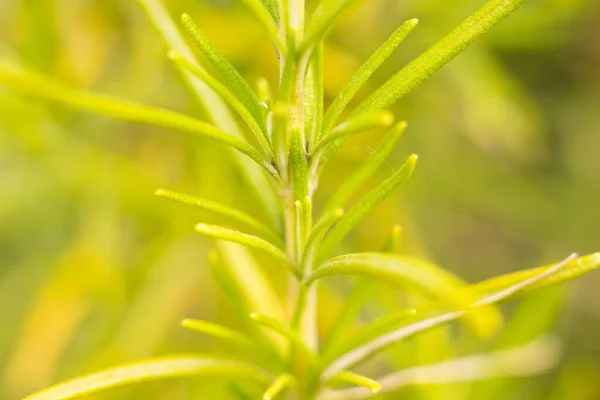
95, 271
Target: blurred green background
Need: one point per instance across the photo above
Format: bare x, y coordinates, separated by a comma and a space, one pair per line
95, 271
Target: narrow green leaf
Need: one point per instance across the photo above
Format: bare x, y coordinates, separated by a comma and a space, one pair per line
415, 275
280, 138
285, 331
358, 380
265, 16
281, 383
40, 86
428, 63
366, 169
363, 74
317, 122
299, 166
222, 210
365, 122
218, 232
273, 8
217, 112
220, 332
227, 96
323, 19
299, 223
155, 369
359, 354
231, 77
570, 271
357, 213
308, 99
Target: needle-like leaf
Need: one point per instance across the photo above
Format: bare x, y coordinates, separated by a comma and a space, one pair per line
217, 112
299, 166
281, 383
38, 85
219, 232
231, 77
272, 7
415, 275
314, 130
357, 213
358, 380
438, 55
144, 371
220, 332
365, 122
570, 271
364, 73
225, 211
265, 16
361, 353
366, 169
227, 96
280, 138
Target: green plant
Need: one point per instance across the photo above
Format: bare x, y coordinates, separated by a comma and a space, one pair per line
294, 140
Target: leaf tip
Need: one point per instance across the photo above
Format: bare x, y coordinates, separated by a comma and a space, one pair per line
339, 212
387, 118
413, 22
186, 322
160, 192
255, 316
375, 387
173, 55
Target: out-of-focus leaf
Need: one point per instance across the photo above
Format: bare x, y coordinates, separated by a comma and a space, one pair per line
281, 383
152, 370
531, 359
38, 85
359, 380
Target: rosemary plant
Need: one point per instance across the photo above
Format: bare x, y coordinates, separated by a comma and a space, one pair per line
294, 137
